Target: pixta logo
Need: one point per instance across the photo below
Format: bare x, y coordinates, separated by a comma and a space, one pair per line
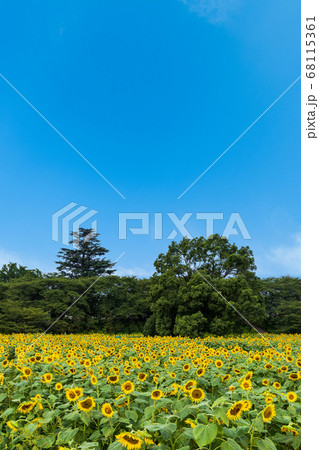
70, 218
235, 225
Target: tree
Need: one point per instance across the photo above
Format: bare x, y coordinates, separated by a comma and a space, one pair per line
282, 298
182, 299
216, 256
86, 259
12, 271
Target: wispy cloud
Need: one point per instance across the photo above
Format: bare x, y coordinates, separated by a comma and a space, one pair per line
7, 256
214, 11
133, 271
282, 260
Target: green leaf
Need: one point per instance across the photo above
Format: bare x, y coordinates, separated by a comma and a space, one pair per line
205, 434
154, 427
202, 418
230, 444
7, 412
2, 397
107, 431
86, 418
259, 424
219, 401
46, 441
167, 430
66, 435
31, 427
148, 412
72, 416
132, 415
89, 445
95, 436
296, 442
265, 444
220, 413
116, 445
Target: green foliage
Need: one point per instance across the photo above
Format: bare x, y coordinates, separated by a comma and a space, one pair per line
183, 292
199, 287
12, 271
282, 297
113, 304
86, 259
192, 325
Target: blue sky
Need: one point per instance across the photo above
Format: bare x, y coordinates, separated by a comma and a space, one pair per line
151, 93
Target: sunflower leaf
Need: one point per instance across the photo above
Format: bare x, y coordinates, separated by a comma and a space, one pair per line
205, 434
265, 444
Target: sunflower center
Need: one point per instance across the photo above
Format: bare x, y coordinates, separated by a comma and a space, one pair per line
130, 439
267, 413
196, 393
87, 403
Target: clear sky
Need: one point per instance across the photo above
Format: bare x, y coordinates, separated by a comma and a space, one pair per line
151, 93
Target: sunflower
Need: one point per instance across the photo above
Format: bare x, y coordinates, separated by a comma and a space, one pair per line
174, 390
277, 385
219, 363
47, 378
113, 379
268, 366
291, 397
121, 404
58, 386
39, 421
87, 404
189, 385
186, 367
129, 440
11, 426
156, 394
265, 382
294, 376
200, 372
78, 391
269, 399
246, 405
226, 378
147, 438
269, 413
142, 376
127, 387
197, 395
235, 411
27, 371
106, 410
289, 429
26, 407
191, 423
246, 385
93, 380
71, 395
248, 376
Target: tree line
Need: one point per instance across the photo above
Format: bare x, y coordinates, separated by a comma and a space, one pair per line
198, 287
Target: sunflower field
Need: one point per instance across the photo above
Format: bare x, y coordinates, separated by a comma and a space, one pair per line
98, 391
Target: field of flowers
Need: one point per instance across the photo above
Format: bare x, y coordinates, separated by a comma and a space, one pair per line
115, 392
